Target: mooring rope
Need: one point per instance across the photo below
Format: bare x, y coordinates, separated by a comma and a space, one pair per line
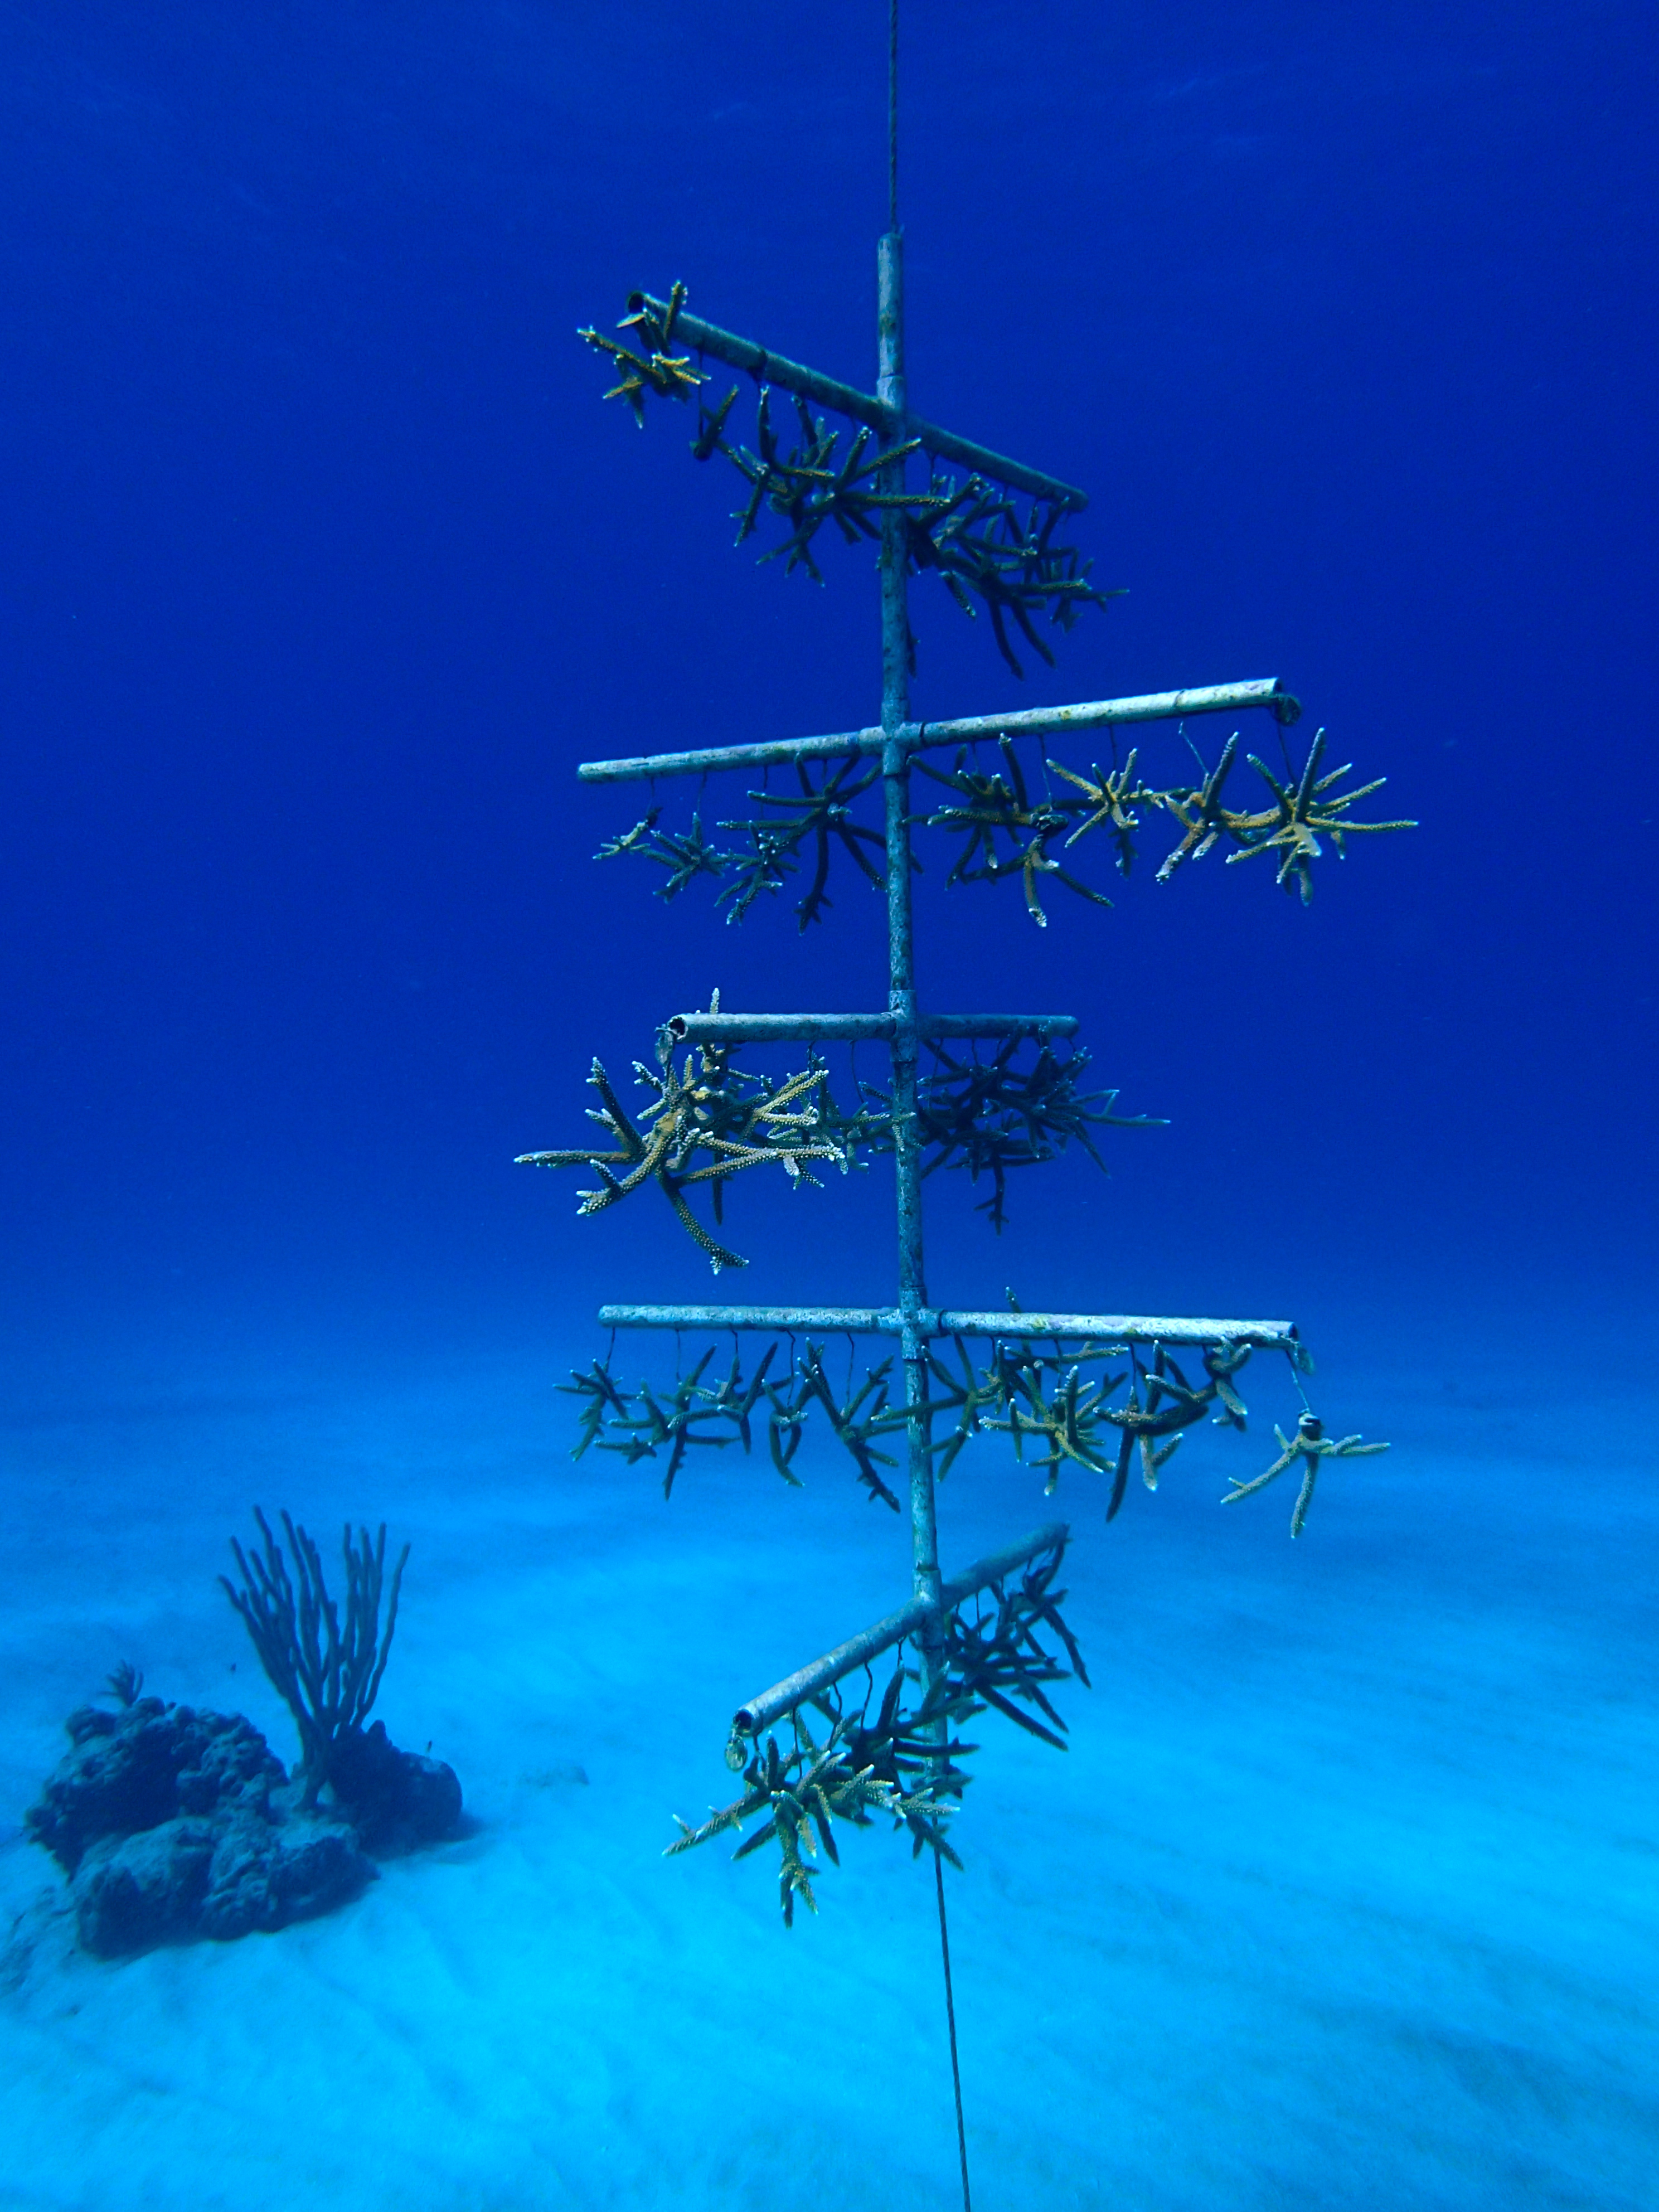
950, 2019
892, 115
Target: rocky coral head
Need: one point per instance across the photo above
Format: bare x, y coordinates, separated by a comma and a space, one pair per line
173, 1823
395, 1800
130, 1771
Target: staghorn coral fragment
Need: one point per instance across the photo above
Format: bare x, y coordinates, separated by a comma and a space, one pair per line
971, 531
1202, 817
703, 1105
660, 369
991, 1116
824, 810
1113, 797
1009, 830
1302, 811
1312, 1447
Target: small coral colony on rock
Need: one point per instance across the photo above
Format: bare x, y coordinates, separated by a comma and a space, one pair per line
1094, 1396
172, 1822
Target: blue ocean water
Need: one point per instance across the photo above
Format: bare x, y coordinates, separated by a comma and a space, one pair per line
324, 567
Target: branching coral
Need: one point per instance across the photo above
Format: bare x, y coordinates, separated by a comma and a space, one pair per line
1087, 1395
987, 1115
703, 1106
992, 1115
1011, 827
970, 531
1313, 1448
1047, 1399
890, 1754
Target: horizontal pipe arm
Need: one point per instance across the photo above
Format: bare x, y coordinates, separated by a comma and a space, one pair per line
1101, 713
828, 1320
713, 758
862, 406
870, 1643
858, 1650
807, 1029
780, 1029
996, 1565
1118, 1329
996, 1025
967, 729
934, 1321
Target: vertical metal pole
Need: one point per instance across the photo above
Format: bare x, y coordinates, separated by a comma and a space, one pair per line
901, 980
902, 997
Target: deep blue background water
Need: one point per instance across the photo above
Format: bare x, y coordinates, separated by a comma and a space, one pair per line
324, 566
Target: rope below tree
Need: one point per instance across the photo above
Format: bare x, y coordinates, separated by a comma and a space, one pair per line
950, 2019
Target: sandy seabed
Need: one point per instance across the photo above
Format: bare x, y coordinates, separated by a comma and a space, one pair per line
1345, 1894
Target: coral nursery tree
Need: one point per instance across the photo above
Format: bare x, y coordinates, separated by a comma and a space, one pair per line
1105, 1393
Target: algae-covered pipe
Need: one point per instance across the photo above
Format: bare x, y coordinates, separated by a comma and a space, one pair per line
830, 1029
964, 729
934, 1321
870, 1643
888, 416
